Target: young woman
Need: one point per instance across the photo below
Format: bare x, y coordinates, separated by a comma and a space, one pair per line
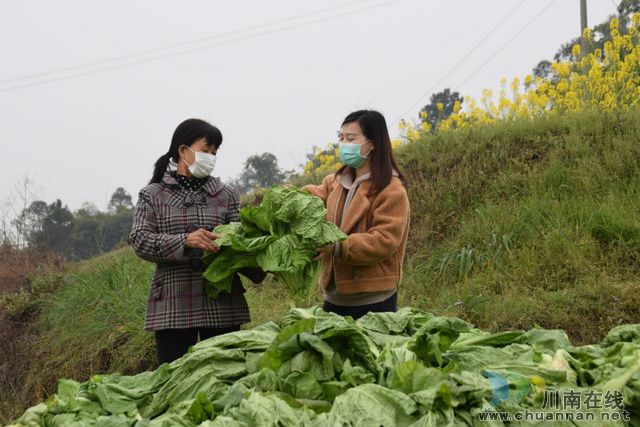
172, 227
367, 199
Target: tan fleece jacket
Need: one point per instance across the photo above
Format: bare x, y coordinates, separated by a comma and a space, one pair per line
371, 259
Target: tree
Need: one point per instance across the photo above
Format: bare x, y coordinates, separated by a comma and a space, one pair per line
87, 209
51, 226
543, 69
80, 235
260, 170
115, 228
120, 199
86, 237
601, 34
33, 218
23, 197
7, 236
96, 232
441, 105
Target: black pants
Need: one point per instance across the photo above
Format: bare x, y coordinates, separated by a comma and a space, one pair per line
357, 311
171, 344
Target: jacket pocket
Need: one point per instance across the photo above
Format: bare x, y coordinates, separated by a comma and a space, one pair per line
156, 285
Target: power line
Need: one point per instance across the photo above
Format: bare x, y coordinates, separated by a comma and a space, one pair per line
176, 45
527, 25
191, 50
464, 58
616, 5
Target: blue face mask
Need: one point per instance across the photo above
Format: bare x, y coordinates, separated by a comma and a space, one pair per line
350, 154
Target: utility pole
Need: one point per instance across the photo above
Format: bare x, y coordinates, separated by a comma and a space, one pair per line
583, 24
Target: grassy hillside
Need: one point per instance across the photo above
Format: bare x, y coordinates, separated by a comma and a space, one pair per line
533, 222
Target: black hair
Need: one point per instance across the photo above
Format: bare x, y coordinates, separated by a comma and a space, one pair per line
186, 133
383, 162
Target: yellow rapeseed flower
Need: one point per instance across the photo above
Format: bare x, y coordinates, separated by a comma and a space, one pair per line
515, 85
605, 79
528, 80
575, 50
614, 26
563, 85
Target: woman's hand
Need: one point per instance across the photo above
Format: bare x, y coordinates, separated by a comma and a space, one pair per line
202, 239
325, 250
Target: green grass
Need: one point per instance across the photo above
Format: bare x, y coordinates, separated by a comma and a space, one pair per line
529, 223
534, 222
93, 324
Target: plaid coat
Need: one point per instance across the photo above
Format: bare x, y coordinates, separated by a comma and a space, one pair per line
164, 215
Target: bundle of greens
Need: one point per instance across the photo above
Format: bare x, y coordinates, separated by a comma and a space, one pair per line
280, 236
409, 368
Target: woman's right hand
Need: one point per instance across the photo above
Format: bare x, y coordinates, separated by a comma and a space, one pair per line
202, 239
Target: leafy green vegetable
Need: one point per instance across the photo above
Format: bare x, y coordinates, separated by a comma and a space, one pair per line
317, 369
622, 333
280, 236
372, 404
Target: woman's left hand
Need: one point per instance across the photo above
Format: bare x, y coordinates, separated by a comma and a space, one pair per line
325, 250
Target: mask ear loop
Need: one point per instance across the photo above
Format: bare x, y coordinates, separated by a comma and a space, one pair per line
184, 159
370, 150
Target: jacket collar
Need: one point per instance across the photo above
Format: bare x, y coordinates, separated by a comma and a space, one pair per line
212, 186
360, 203
347, 181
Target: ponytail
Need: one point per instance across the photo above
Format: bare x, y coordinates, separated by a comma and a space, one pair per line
160, 168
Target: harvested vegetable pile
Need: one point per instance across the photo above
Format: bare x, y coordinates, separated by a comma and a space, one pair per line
321, 369
280, 236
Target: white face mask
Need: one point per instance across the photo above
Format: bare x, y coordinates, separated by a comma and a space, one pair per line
203, 165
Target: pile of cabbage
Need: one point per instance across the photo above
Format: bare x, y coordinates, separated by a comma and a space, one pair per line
392, 369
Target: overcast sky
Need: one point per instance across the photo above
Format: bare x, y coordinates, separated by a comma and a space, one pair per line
275, 76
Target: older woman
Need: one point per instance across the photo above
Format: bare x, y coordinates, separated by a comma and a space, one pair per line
172, 227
